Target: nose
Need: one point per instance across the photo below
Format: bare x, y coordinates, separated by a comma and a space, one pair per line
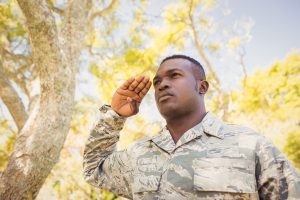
164, 84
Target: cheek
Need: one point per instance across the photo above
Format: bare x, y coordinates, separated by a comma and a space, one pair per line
188, 94
188, 88
155, 95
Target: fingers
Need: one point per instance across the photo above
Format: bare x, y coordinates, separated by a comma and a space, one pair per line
145, 90
135, 88
128, 93
127, 83
141, 85
135, 83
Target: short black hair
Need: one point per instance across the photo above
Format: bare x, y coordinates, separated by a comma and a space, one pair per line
196, 64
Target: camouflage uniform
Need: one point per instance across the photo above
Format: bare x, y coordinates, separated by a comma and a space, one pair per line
212, 160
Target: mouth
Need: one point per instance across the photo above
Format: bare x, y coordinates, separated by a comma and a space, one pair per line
164, 98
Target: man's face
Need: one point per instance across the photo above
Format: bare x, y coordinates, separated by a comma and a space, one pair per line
175, 88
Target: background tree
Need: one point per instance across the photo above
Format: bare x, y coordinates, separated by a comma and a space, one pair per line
270, 104
52, 59
292, 148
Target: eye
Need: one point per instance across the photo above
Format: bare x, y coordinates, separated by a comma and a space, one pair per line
155, 83
173, 75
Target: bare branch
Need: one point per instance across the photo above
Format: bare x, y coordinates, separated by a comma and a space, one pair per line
200, 50
242, 54
33, 100
12, 100
55, 9
14, 56
19, 79
74, 29
105, 11
215, 79
14, 68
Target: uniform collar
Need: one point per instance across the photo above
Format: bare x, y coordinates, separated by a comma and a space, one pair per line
210, 125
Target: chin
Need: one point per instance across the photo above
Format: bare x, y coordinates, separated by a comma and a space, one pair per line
169, 111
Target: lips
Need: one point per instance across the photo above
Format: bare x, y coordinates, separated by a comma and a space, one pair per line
163, 96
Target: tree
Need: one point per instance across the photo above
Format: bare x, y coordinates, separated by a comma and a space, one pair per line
52, 59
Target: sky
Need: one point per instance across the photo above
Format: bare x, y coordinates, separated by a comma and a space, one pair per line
275, 33
276, 30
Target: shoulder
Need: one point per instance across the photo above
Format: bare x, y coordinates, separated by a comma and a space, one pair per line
140, 143
245, 137
230, 130
248, 138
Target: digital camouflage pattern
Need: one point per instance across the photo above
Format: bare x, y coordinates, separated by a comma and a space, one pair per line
212, 160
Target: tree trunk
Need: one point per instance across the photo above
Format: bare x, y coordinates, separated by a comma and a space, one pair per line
39, 144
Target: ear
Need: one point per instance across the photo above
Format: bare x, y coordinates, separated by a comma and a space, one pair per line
203, 86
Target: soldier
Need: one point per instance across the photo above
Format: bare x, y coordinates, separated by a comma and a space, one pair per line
195, 156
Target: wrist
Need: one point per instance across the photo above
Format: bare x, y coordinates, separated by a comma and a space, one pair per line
107, 108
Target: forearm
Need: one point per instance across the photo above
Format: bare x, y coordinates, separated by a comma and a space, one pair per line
101, 144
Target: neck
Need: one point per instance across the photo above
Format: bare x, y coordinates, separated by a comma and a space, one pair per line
178, 126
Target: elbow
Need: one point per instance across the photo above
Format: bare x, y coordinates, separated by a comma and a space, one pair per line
91, 178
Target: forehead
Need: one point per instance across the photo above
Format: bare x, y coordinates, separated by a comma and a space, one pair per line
173, 64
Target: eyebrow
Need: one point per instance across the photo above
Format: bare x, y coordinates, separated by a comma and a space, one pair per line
168, 72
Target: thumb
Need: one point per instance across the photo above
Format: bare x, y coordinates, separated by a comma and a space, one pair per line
134, 104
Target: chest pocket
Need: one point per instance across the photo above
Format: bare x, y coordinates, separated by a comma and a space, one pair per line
146, 176
234, 175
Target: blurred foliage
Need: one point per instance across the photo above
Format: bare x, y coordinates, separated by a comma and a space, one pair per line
10, 25
7, 141
274, 90
119, 47
109, 196
292, 148
270, 104
137, 128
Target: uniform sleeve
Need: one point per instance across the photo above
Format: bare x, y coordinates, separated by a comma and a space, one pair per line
103, 166
275, 175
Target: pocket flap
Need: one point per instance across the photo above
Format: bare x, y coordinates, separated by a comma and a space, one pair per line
224, 175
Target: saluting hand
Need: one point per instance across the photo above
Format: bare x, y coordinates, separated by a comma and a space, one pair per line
126, 100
